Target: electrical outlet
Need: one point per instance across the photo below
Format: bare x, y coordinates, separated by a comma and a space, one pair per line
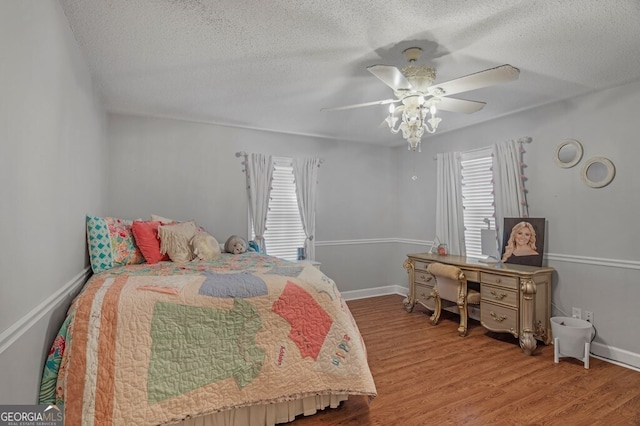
588, 315
576, 313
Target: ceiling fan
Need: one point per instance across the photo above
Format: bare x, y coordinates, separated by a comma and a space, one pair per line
414, 90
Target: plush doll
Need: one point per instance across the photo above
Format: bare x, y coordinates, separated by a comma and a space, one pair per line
205, 246
253, 246
235, 245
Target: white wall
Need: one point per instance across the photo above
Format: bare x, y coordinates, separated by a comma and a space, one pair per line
52, 169
593, 241
189, 170
53, 165
371, 213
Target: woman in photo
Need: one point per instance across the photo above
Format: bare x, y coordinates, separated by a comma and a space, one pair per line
522, 242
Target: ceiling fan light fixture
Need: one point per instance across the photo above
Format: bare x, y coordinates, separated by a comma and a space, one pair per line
412, 54
412, 86
420, 76
414, 120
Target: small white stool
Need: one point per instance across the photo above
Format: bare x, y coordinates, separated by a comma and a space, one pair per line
572, 338
557, 354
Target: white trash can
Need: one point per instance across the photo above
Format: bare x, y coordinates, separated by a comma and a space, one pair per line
572, 338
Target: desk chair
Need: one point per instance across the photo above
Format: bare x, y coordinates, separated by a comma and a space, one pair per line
451, 285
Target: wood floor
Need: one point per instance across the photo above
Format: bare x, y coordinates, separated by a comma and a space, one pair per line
428, 375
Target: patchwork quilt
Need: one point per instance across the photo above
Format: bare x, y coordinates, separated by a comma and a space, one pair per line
154, 344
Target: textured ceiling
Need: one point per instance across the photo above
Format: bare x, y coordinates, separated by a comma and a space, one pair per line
274, 64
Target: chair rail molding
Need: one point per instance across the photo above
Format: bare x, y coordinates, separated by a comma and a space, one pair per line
20, 327
596, 261
556, 257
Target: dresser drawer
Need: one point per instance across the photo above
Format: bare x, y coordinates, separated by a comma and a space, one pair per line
499, 318
423, 277
501, 280
419, 264
423, 296
499, 295
473, 276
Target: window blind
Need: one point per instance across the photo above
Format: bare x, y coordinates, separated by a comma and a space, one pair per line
284, 232
477, 198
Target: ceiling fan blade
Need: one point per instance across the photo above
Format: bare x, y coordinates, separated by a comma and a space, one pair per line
391, 76
383, 102
459, 105
490, 77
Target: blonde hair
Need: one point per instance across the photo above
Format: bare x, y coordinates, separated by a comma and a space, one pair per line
511, 244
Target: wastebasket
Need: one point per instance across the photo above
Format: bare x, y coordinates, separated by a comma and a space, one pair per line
572, 338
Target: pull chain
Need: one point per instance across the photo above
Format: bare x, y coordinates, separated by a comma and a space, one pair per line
414, 177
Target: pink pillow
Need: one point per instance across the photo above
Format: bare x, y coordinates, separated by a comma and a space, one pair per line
146, 235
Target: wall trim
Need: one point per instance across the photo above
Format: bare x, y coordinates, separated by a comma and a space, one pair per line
373, 292
595, 261
616, 356
605, 353
20, 327
356, 242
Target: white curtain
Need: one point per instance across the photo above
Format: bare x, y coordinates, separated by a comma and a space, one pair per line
259, 172
508, 185
305, 171
449, 210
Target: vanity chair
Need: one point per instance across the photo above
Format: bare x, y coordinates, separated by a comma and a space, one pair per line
451, 286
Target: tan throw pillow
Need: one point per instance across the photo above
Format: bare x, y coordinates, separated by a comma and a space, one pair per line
164, 220
175, 241
205, 247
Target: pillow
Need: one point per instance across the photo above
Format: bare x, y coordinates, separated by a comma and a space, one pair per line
146, 236
111, 243
205, 247
164, 220
175, 241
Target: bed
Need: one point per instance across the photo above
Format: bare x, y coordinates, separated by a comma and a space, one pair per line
246, 339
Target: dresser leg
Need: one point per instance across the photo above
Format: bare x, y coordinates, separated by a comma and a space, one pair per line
410, 301
408, 304
528, 291
528, 343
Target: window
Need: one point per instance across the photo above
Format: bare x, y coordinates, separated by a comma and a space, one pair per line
284, 232
477, 198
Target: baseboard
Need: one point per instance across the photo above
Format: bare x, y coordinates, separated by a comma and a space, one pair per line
373, 292
8, 337
20, 327
606, 353
616, 356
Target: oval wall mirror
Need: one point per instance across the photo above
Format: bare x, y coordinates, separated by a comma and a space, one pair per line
568, 153
598, 172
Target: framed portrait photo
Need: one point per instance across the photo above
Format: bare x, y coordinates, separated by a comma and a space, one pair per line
523, 240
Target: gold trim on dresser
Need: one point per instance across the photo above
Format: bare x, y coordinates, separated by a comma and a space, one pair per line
515, 299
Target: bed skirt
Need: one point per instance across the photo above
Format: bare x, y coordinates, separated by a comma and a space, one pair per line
267, 414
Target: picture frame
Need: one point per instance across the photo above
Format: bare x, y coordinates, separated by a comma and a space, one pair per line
523, 240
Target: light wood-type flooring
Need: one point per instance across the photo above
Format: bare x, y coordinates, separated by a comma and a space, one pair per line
428, 375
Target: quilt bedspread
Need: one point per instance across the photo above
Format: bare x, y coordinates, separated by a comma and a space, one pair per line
154, 344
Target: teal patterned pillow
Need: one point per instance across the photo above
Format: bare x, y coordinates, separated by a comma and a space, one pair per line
99, 244
111, 243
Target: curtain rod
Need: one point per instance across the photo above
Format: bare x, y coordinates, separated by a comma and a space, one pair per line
243, 153
526, 139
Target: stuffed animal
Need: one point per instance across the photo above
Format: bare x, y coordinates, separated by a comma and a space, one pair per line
205, 246
235, 245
